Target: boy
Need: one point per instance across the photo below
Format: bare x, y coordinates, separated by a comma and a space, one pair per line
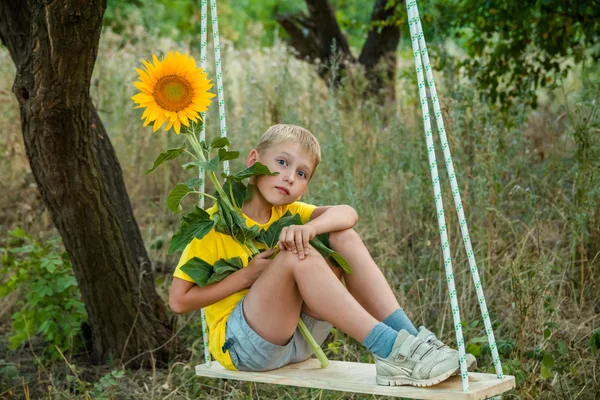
253, 313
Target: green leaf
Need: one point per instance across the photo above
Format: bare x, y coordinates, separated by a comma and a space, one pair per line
548, 360
254, 170
166, 156
546, 373
212, 165
595, 342
193, 225
235, 262
217, 278
270, 237
175, 197
234, 224
241, 193
19, 233
219, 142
479, 339
193, 182
336, 257
474, 349
198, 269
228, 155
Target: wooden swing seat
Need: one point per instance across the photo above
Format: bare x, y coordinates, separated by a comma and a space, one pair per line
360, 378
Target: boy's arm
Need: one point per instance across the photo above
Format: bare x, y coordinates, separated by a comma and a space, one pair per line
186, 296
333, 218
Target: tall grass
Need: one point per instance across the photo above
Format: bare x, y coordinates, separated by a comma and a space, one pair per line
528, 179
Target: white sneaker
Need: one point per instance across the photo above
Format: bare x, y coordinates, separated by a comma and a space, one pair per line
429, 337
414, 362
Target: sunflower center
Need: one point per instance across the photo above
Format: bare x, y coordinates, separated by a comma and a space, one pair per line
173, 93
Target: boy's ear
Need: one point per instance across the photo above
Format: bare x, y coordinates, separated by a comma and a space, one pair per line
252, 158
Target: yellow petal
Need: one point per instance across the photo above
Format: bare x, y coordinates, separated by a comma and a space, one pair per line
159, 122
177, 125
183, 118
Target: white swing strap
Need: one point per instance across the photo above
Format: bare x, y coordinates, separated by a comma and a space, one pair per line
420, 52
221, 100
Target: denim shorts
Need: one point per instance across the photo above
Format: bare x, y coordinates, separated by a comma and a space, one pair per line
250, 352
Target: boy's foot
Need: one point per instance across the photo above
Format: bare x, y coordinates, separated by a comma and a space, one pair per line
429, 337
414, 362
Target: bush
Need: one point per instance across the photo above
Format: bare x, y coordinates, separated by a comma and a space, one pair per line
50, 305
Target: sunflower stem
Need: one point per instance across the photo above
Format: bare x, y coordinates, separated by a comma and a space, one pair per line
190, 134
313, 344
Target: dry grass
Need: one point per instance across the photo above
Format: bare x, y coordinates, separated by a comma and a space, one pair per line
521, 207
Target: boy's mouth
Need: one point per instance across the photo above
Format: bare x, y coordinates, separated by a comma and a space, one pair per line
283, 190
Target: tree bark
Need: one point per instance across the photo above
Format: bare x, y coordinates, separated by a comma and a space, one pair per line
378, 54
54, 45
312, 38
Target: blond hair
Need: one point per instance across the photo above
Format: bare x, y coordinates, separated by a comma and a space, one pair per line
283, 133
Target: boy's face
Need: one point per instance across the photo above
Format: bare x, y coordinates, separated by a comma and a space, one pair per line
295, 169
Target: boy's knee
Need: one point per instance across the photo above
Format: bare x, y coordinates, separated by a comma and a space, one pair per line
288, 259
339, 238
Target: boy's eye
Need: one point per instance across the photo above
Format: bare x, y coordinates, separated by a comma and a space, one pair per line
302, 174
281, 162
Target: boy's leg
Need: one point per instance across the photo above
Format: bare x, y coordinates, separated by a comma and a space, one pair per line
272, 306
367, 283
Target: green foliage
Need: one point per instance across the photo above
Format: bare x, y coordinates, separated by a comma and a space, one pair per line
270, 237
104, 389
196, 224
170, 154
515, 48
50, 305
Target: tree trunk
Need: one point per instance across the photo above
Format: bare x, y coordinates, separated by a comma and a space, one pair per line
378, 54
312, 38
54, 46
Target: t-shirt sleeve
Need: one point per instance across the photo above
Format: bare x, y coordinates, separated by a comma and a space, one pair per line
204, 248
305, 210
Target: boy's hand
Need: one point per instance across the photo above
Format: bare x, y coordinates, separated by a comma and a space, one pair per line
295, 239
257, 265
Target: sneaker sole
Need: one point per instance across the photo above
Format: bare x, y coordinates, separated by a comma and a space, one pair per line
404, 380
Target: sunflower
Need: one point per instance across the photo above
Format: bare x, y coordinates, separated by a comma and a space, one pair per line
172, 91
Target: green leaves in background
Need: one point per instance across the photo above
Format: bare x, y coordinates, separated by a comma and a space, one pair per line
194, 225
49, 306
166, 156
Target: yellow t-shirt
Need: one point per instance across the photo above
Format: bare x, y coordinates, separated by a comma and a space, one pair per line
211, 248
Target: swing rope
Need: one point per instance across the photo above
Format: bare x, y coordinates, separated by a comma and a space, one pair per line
421, 62
420, 52
221, 98
203, 45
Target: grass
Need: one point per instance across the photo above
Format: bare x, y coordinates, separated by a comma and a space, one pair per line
528, 179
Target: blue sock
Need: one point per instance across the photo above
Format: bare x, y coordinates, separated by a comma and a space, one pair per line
398, 321
380, 340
